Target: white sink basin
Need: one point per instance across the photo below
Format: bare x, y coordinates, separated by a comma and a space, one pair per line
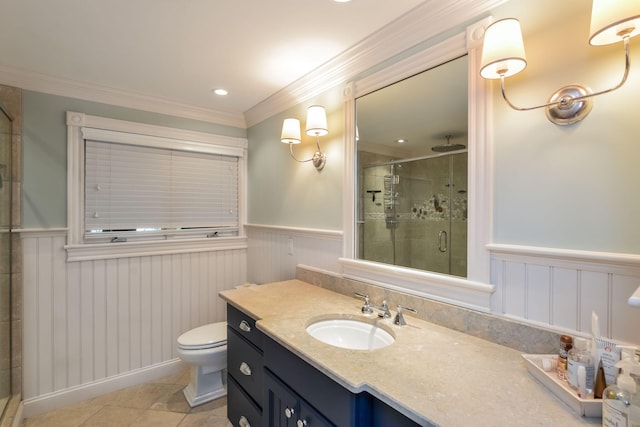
350, 333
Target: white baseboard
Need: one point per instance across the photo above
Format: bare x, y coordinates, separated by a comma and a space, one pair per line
73, 395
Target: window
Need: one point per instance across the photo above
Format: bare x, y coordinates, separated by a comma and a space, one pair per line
141, 189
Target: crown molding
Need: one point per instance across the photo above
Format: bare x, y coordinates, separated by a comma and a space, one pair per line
427, 20
95, 93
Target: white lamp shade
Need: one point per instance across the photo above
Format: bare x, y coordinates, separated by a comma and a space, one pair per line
503, 50
611, 20
316, 121
290, 131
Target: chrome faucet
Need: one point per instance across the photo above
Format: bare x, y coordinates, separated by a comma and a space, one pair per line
366, 308
384, 310
399, 319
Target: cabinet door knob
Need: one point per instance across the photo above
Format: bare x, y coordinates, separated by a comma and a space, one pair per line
288, 412
245, 369
244, 325
301, 423
243, 422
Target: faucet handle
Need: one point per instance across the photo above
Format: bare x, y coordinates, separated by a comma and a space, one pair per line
399, 319
366, 308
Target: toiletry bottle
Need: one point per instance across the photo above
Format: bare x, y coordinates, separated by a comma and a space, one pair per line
580, 355
621, 402
566, 342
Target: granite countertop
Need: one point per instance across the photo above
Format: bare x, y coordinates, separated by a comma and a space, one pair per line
431, 374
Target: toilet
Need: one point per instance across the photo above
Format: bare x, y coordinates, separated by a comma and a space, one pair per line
205, 349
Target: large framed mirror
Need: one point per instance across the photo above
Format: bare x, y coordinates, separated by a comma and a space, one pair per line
427, 229
411, 168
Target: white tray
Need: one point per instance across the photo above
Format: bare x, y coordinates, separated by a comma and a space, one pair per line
588, 407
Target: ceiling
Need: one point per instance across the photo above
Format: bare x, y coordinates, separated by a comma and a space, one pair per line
422, 110
179, 50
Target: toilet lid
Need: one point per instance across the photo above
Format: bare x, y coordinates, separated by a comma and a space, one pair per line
206, 336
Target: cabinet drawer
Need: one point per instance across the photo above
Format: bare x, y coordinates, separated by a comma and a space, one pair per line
241, 407
244, 325
245, 365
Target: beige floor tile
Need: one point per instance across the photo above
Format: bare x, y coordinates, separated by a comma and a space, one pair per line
64, 417
205, 419
160, 403
151, 418
142, 396
172, 400
113, 416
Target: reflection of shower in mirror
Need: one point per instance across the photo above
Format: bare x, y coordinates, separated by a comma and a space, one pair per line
448, 146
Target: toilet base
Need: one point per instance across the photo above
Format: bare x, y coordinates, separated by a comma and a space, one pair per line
205, 386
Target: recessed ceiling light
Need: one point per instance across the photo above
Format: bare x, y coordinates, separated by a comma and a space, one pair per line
401, 141
342, 1
220, 92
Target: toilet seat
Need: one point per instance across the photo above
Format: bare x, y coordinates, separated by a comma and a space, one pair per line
204, 337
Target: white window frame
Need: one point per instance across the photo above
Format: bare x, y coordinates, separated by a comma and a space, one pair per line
80, 124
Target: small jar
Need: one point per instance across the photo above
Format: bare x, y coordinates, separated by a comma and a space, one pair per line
566, 343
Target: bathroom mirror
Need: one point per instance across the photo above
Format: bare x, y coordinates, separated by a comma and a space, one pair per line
468, 125
411, 169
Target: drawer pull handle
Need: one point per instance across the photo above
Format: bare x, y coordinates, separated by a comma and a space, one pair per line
288, 412
302, 423
243, 422
245, 369
244, 325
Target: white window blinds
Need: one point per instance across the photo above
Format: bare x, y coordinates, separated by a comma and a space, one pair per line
132, 190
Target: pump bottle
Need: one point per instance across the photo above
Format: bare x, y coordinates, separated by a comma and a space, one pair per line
621, 402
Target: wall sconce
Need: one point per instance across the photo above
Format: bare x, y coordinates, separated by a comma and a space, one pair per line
316, 126
503, 56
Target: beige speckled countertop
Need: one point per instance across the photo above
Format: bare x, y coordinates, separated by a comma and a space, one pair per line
431, 374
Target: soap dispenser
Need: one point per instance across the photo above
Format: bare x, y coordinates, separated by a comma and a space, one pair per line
621, 402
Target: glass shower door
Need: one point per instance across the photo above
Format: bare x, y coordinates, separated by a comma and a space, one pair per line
414, 214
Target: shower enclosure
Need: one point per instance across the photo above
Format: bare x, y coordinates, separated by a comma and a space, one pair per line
5, 256
413, 213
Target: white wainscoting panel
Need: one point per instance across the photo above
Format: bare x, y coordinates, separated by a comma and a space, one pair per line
274, 252
561, 289
88, 321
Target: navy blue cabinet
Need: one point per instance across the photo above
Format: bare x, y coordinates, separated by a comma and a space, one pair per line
272, 387
245, 370
285, 408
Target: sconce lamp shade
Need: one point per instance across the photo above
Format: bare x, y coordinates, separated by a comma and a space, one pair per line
503, 50
290, 131
316, 121
612, 20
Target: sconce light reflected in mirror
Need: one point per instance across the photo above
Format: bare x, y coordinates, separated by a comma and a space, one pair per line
316, 126
503, 56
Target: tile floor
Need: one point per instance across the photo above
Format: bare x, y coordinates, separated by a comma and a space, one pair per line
156, 404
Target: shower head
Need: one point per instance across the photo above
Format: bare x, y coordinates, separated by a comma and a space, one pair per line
445, 148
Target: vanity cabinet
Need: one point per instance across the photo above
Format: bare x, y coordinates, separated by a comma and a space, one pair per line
270, 386
245, 370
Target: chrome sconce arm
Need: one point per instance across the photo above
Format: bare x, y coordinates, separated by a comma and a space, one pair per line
318, 160
503, 56
571, 103
316, 126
